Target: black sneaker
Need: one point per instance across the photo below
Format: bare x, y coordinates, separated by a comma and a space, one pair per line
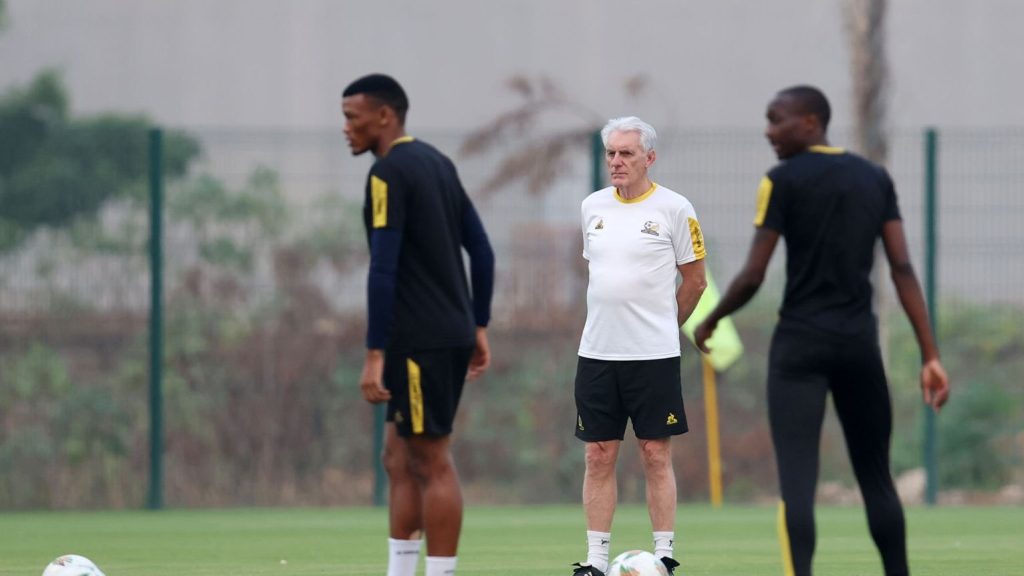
584, 569
670, 564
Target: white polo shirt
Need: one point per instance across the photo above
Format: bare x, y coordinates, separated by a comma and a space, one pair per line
633, 248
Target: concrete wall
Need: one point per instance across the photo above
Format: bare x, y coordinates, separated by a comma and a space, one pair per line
277, 63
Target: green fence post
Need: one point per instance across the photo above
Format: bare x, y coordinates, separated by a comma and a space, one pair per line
930, 234
596, 161
156, 200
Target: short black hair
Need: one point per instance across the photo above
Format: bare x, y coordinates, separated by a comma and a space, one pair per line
811, 101
382, 88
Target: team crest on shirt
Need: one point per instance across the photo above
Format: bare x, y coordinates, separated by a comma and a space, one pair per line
651, 227
600, 224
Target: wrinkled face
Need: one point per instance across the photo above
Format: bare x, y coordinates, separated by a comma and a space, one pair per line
627, 161
790, 130
364, 120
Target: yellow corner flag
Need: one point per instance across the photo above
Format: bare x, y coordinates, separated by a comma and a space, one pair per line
725, 343
726, 348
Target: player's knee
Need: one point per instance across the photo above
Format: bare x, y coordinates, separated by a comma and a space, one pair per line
395, 463
655, 455
600, 457
419, 469
429, 461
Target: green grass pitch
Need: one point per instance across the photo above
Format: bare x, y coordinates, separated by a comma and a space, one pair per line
497, 541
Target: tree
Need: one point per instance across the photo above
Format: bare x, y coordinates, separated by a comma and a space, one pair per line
870, 68
55, 168
540, 157
865, 21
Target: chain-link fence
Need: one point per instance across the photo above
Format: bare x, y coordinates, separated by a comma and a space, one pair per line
264, 289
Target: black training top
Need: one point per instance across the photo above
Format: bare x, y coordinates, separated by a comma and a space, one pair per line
830, 206
414, 197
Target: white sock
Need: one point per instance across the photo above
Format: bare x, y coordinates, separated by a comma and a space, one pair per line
441, 565
663, 544
403, 555
598, 544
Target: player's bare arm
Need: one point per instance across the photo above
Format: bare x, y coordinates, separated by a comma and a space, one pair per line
934, 381
371, 383
693, 285
743, 286
481, 359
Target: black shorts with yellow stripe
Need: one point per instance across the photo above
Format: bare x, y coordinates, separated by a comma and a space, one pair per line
425, 389
610, 392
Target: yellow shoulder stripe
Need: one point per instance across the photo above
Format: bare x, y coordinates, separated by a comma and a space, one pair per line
379, 198
696, 238
764, 194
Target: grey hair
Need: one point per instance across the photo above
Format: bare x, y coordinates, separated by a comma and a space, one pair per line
648, 137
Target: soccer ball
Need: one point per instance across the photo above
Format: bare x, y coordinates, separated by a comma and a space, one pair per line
637, 563
72, 565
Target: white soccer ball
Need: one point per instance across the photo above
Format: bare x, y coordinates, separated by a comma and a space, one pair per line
72, 565
637, 563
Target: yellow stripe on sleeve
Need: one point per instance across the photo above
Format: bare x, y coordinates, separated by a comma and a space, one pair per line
379, 197
697, 238
787, 554
415, 396
764, 194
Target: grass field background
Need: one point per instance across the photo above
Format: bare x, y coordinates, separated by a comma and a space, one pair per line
496, 541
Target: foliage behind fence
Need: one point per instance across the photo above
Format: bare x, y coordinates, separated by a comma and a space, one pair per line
264, 290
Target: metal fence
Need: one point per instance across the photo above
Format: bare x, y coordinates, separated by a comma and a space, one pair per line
264, 288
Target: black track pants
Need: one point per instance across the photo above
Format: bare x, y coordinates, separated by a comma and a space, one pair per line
804, 367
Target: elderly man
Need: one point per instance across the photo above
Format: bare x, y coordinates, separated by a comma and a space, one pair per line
638, 237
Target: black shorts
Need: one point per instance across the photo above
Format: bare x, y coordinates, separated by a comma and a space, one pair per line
648, 392
425, 389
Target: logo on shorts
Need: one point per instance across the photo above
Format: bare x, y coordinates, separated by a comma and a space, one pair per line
671, 419
579, 422
651, 227
398, 417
